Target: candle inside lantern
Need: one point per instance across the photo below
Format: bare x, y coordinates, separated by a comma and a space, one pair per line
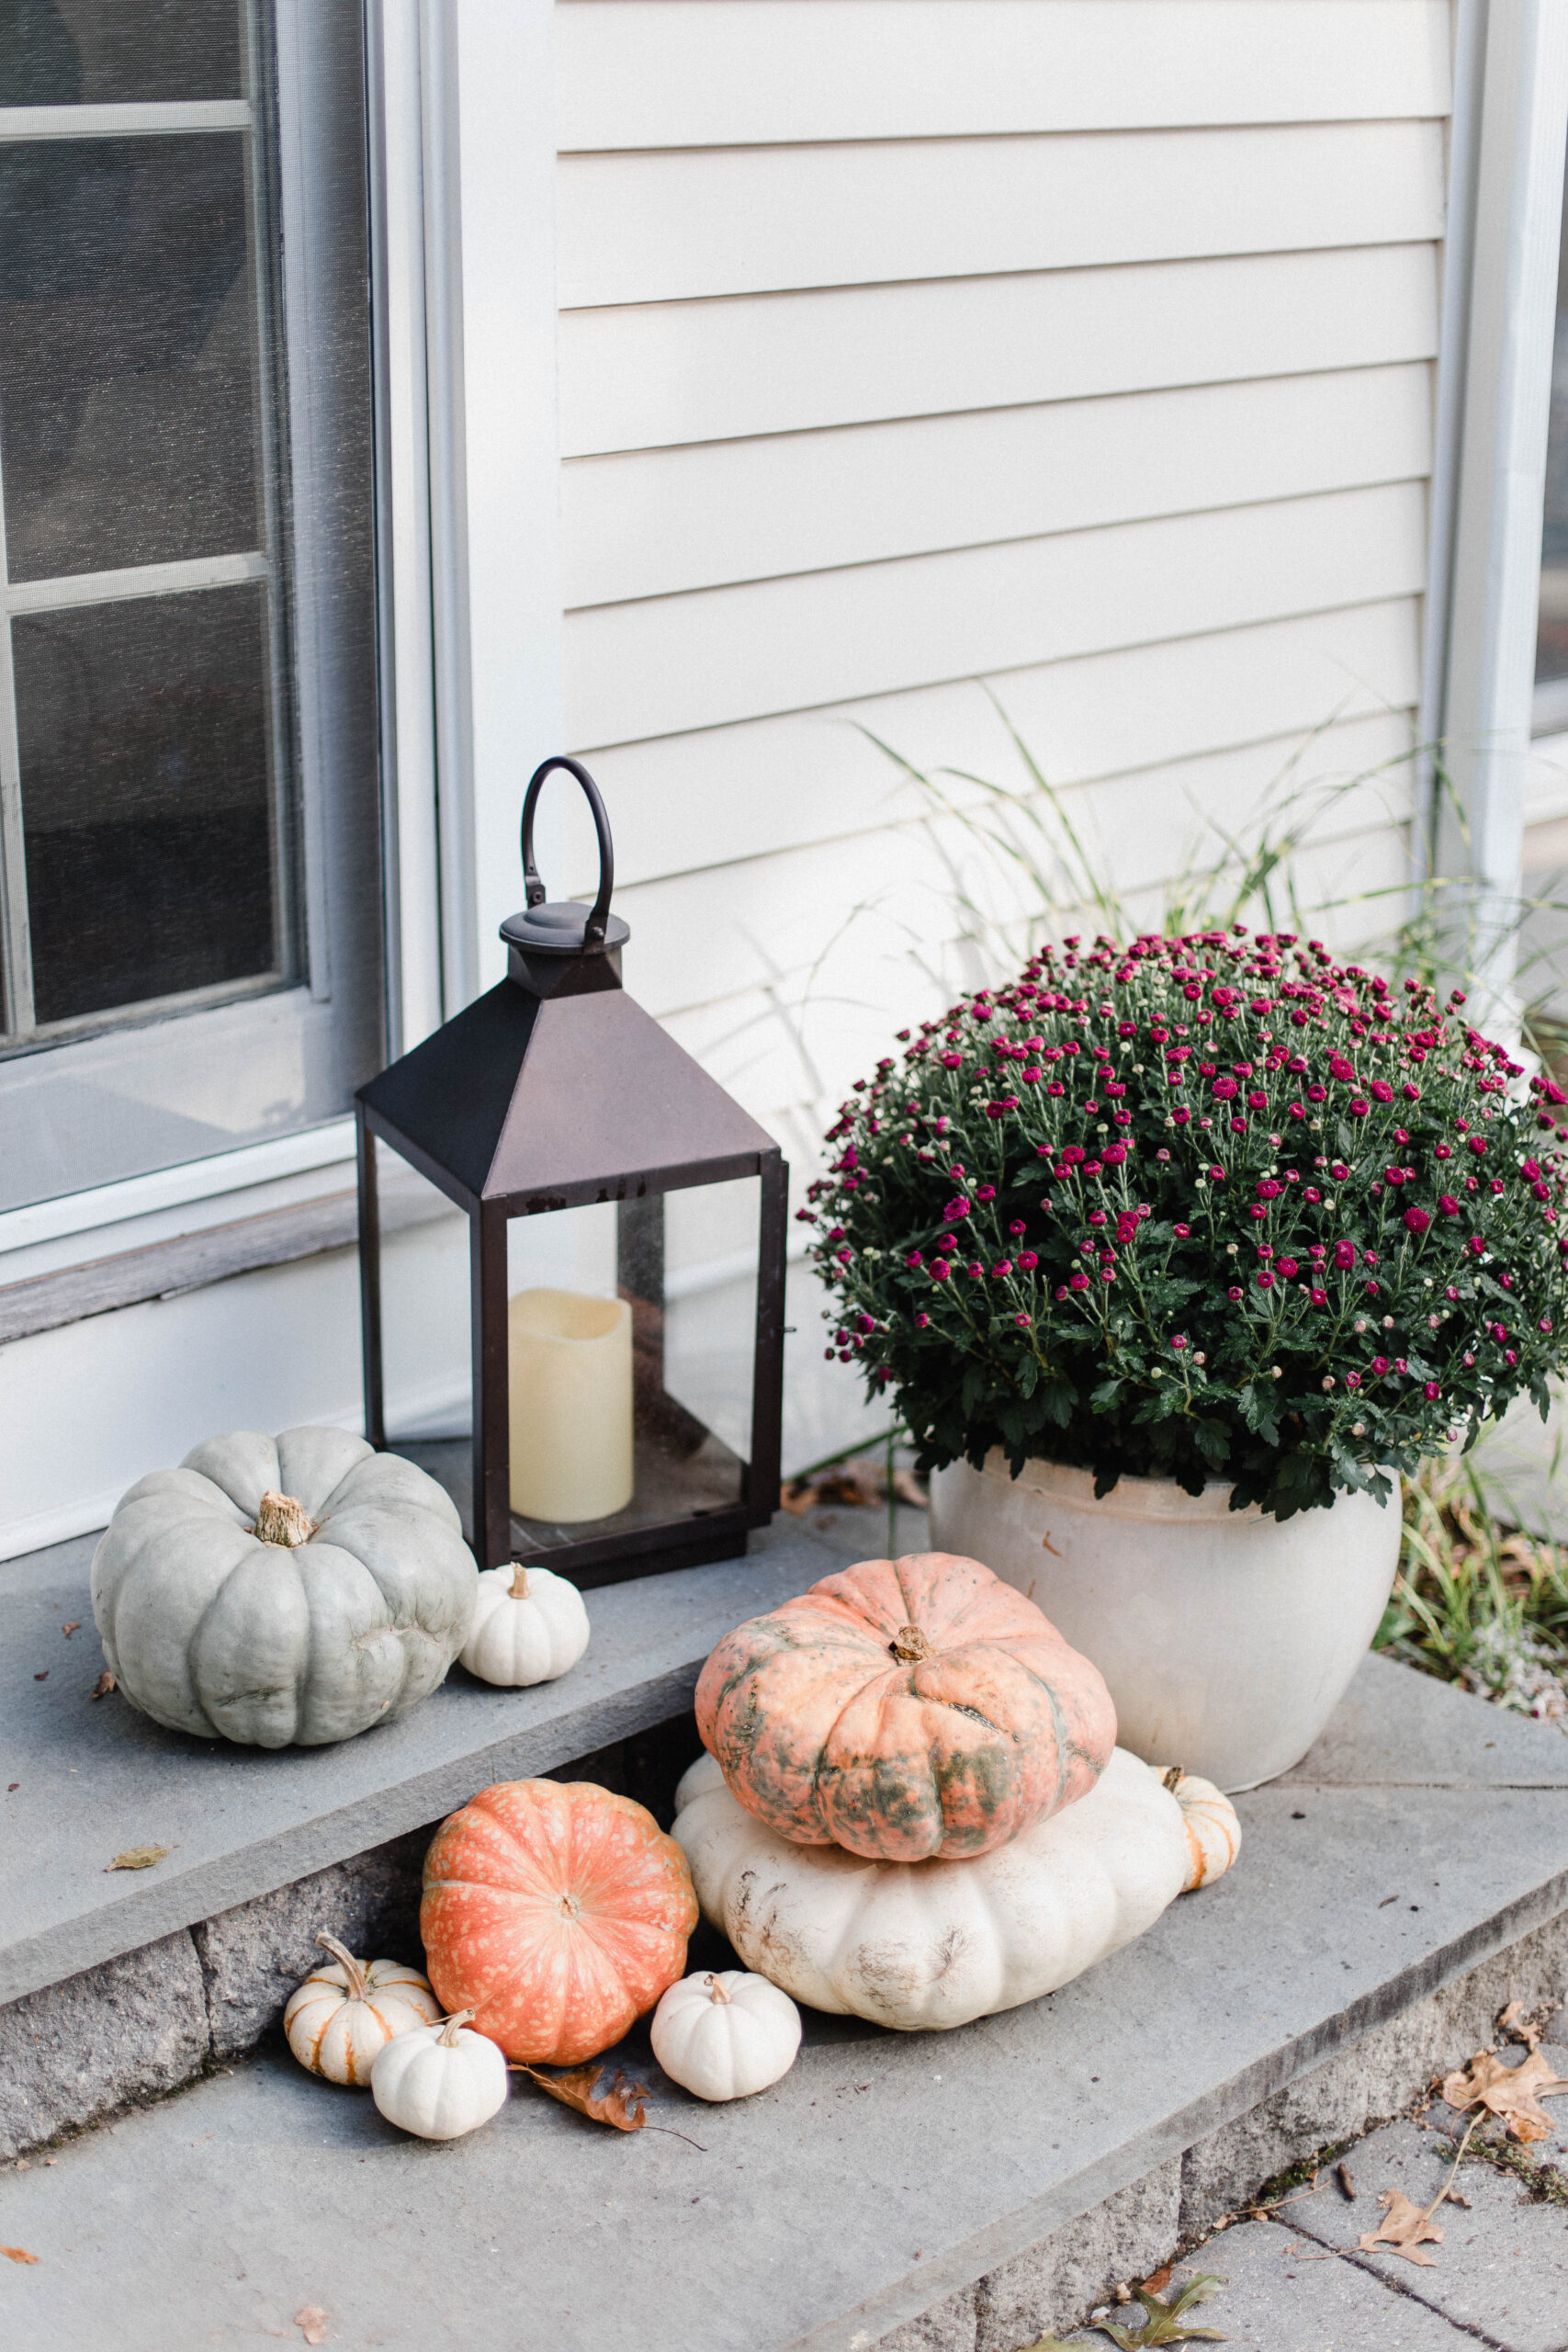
570, 1404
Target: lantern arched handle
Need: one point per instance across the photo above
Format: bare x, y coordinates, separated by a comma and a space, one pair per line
594, 930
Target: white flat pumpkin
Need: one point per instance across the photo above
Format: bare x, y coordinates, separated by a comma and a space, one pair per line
282, 1591
931, 1944
529, 1626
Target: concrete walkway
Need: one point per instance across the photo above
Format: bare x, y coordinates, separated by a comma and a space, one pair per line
1301, 2283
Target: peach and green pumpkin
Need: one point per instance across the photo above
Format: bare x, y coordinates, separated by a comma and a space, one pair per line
557, 1913
905, 1708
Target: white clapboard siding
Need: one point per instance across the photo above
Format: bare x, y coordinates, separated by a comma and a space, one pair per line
778, 920
739, 220
684, 802
679, 663
732, 73
659, 521
666, 372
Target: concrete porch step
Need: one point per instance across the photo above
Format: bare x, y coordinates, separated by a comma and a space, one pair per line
955, 2193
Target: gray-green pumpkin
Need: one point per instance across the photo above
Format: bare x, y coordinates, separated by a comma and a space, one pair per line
283, 1592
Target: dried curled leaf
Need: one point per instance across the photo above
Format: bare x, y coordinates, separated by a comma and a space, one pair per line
311, 2322
623, 2105
1404, 2229
136, 1857
1162, 2324
17, 2254
1513, 2092
104, 1685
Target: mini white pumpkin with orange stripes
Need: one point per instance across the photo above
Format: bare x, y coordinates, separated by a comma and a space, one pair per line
1214, 1830
345, 2013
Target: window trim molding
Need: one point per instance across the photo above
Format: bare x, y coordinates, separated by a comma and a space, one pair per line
1512, 115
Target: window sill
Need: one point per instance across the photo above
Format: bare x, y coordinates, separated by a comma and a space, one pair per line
193, 1260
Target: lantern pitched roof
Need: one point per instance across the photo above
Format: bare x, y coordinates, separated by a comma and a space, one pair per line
573, 1098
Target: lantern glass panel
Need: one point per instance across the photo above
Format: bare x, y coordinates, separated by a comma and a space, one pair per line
657, 1397
426, 1351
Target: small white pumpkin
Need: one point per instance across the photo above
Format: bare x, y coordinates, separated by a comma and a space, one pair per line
1214, 1830
933, 1943
440, 2081
343, 2015
725, 2035
529, 1626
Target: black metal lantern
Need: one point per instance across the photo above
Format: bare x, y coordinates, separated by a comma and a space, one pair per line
593, 1408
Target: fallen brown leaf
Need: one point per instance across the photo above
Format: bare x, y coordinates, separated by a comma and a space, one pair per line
312, 2324
104, 1685
17, 2254
1513, 2092
1346, 2186
1513, 2021
73, 1627
136, 1857
622, 2105
1404, 2229
1158, 2281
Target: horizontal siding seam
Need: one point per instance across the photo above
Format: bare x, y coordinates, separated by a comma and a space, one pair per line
998, 408
979, 547
978, 277
1023, 539
1292, 736
1205, 127
1008, 670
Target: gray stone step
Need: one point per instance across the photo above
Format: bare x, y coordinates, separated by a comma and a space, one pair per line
94, 1777
956, 2193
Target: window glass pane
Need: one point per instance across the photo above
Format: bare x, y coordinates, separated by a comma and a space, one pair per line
150, 860
129, 368
1551, 629
94, 52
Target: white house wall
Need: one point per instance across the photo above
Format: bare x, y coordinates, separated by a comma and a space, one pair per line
1085, 349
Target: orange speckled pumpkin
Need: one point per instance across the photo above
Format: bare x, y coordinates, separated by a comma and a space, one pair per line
905, 1708
557, 1913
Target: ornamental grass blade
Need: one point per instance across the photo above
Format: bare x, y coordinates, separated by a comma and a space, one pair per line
623, 2105
1512, 2092
1163, 2324
1404, 2229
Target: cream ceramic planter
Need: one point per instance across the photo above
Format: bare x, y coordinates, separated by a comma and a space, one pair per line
1227, 1639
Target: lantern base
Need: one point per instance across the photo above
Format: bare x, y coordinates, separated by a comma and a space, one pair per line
683, 1515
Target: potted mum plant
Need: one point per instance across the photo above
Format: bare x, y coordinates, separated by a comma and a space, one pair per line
1171, 1257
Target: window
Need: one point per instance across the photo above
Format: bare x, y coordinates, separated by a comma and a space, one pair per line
188, 822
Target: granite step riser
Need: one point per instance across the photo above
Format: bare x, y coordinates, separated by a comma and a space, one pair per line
1171, 2207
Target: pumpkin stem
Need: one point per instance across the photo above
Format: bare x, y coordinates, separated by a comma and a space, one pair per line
910, 1645
1172, 1778
519, 1582
283, 1521
716, 1990
448, 2036
358, 1983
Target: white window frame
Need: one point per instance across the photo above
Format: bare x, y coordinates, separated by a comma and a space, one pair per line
461, 111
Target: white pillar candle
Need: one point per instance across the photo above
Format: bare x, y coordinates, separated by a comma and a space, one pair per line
570, 1404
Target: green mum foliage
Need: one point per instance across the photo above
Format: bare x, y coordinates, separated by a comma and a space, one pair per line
1203, 1208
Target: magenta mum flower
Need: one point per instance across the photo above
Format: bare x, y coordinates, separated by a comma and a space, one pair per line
1417, 1220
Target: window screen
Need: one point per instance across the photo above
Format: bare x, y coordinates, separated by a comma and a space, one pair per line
187, 738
